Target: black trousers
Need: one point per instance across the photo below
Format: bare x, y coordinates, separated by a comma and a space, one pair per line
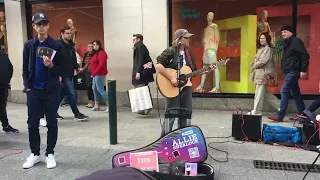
43, 102
3, 106
186, 102
88, 83
315, 105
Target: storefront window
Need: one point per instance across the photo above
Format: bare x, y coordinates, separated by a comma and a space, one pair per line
3, 29
230, 29
308, 30
84, 17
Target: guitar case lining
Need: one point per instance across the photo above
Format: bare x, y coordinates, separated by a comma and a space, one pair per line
185, 145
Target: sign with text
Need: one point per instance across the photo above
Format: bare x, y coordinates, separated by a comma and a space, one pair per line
147, 161
189, 13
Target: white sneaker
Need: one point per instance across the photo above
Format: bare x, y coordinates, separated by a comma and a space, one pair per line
51, 162
43, 122
253, 113
31, 161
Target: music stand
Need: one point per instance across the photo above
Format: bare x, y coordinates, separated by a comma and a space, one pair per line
177, 112
312, 118
312, 165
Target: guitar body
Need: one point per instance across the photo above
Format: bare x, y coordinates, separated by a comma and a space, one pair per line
165, 86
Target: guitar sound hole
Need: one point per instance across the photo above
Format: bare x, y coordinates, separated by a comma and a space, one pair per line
182, 81
183, 77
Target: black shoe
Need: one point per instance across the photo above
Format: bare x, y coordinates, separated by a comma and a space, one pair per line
59, 117
64, 104
80, 117
10, 130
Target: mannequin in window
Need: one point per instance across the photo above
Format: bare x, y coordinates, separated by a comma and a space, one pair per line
2, 18
73, 30
210, 43
3, 38
263, 25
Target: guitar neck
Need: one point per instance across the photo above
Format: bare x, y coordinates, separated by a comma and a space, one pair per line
197, 72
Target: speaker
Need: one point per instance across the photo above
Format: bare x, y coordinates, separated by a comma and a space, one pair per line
249, 125
309, 130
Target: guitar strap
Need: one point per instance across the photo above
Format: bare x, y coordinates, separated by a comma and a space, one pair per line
189, 58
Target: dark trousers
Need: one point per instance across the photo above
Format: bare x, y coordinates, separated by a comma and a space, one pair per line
3, 106
90, 93
42, 102
88, 82
70, 91
315, 105
291, 86
186, 102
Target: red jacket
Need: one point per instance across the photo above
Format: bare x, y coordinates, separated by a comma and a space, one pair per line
99, 64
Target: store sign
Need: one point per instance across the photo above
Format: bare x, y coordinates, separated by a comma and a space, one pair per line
189, 13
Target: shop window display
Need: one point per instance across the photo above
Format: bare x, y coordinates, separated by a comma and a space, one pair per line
308, 30
85, 18
3, 30
230, 29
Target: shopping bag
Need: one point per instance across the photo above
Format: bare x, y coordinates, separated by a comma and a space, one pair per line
140, 99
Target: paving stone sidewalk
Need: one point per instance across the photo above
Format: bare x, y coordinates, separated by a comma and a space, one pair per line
83, 147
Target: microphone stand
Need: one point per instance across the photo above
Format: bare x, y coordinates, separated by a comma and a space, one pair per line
179, 61
178, 112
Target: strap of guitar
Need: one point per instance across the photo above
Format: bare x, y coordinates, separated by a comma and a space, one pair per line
189, 58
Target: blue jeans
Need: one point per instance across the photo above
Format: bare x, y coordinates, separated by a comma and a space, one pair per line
41, 102
70, 91
65, 98
290, 86
98, 88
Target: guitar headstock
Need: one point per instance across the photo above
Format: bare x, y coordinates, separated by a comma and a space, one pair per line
222, 62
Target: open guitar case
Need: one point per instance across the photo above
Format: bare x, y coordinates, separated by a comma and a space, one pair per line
171, 163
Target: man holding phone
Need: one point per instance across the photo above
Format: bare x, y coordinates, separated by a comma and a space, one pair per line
41, 82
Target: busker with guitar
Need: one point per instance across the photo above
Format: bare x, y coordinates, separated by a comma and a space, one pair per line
169, 59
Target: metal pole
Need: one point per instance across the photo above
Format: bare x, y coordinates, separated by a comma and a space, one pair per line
112, 103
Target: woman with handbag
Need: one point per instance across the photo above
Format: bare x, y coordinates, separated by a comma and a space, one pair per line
264, 75
85, 73
98, 72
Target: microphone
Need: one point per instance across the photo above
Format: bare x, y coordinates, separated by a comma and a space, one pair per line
179, 44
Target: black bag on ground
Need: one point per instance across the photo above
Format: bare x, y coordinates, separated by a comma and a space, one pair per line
185, 145
122, 173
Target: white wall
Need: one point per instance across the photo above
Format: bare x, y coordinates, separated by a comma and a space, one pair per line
122, 19
17, 35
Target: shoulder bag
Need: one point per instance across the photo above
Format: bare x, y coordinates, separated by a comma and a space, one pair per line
270, 81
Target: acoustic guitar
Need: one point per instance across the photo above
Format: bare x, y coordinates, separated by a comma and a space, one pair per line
167, 89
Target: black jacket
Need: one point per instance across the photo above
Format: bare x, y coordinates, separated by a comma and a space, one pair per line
169, 59
70, 59
6, 69
140, 57
295, 56
29, 60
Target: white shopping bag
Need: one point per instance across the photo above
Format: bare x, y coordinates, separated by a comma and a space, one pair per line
140, 99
